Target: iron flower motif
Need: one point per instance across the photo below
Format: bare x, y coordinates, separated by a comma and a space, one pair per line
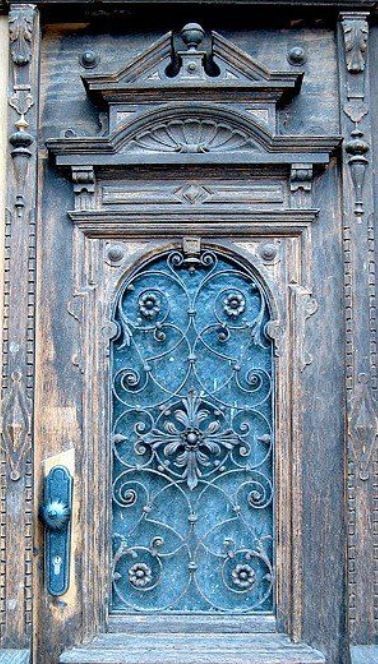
140, 575
149, 305
194, 436
243, 576
234, 304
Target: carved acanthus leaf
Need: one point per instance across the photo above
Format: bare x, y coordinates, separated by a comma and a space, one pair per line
356, 32
21, 21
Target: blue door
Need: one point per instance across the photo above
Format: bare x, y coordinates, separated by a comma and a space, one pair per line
192, 438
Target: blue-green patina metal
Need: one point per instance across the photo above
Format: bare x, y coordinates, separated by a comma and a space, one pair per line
56, 515
192, 438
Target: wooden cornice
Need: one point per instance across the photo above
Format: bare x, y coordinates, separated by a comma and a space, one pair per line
95, 5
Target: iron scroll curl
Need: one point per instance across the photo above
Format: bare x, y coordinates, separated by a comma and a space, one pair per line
192, 437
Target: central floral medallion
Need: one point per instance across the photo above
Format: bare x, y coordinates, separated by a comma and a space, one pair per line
190, 439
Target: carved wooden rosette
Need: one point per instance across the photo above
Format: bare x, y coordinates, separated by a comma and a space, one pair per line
18, 334
360, 310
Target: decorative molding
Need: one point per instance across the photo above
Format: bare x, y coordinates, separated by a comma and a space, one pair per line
75, 308
120, 223
357, 148
360, 322
363, 426
196, 64
193, 193
15, 426
206, 128
18, 333
306, 306
319, 3
192, 132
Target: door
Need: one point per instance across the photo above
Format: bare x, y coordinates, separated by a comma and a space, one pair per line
192, 210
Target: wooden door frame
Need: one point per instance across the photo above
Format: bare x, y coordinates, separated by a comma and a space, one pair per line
18, 505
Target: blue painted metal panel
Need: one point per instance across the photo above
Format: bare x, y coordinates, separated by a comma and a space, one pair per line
192, 438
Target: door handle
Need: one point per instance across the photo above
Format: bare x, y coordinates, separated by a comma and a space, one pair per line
56, 512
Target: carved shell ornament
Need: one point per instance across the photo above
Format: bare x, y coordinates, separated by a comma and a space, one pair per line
201, 94
193, 135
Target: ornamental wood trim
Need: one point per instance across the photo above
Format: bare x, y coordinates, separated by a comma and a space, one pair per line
360, 324
18, 333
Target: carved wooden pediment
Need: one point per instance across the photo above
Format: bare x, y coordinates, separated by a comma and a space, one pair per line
192, 99
196, 63
203, 131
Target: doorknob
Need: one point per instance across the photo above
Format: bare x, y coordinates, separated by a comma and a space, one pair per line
55, 514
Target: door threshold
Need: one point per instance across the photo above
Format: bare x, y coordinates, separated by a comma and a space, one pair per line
192, 649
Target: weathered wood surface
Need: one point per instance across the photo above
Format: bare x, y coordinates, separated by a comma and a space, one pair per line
287, 3
115, 216
194, 649
101, 219
18, 336
360, 322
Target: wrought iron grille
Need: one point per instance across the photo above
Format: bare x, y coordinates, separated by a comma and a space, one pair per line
192, 438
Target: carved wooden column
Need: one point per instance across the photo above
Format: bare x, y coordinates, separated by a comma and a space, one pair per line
361, 370
18, 339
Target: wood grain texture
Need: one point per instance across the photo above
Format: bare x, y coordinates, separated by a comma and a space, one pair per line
18, 331
287, 3
195, 649
245, 205
92, 278
360, 318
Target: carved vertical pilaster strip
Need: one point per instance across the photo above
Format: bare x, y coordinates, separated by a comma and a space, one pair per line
360, 311
18, 338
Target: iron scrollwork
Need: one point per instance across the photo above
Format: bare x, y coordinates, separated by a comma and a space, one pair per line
192, 438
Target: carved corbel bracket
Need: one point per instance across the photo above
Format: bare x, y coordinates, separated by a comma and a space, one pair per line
301, 176
21, 18
83, 178
356, 34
